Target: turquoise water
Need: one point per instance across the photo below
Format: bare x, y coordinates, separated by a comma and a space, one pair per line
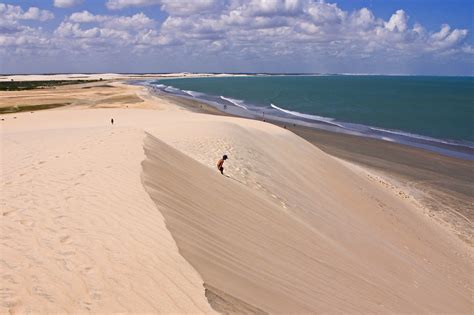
418, 106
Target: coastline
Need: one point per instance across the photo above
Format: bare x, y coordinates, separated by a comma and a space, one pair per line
260, 104
135, 212
440, 183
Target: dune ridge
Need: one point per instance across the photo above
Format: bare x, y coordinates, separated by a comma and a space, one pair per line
135, 218
78, 232
358, 249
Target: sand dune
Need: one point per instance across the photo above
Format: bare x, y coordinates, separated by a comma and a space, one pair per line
135, 218
79, 233
106, 76
293, 230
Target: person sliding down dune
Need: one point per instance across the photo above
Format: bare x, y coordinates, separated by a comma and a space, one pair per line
220, 164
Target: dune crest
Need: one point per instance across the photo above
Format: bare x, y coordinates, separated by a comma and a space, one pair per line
78, 231
290, 230
303, 233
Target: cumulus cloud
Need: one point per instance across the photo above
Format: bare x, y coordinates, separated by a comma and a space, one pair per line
278, 30
86, 17
190, 7
316, 27
174, 7
67, 3
120, 4
397, 22
446, 38
17, 38
136, 21
13, 12
94, 33
271, 7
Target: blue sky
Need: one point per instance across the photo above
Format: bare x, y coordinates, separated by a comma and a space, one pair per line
431, 37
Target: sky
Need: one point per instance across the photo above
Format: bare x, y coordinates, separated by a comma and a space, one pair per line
425, 37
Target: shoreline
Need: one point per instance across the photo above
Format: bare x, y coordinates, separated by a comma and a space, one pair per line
458, 148
440, 183
136, 212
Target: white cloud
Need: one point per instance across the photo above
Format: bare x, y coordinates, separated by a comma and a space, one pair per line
397, 22
324, 13
363, 19
67, 29
174, 7
67, 3
272, 7
446, 38
121, 4
279, 30
136, 21
86, 17
91, 33
13, 12
18, 38
443, 33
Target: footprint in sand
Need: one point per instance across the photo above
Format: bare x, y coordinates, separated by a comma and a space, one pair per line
67, 253
87, 269
86, 305
27, 222
95, 295
7, 213
41, 292
65, 239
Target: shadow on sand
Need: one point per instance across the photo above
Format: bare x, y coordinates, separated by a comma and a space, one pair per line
234, 179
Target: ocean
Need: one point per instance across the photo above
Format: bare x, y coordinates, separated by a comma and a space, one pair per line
435, 113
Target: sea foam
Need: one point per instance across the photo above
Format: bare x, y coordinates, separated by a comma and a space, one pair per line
193, 93
420, 137
238, 103
307, 116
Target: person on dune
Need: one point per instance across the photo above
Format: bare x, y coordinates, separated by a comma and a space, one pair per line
220, 164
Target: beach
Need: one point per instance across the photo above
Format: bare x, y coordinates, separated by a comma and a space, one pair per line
441, 184
134, 217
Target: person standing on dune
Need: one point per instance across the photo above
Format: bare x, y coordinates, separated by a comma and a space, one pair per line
220, 164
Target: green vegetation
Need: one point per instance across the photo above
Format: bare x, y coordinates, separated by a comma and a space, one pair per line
26, 108
29, 85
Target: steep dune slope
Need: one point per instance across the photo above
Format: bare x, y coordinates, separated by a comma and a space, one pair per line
293, 230
290, 229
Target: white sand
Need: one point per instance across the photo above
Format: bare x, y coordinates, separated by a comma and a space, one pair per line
79, 232
135, 218
106, 76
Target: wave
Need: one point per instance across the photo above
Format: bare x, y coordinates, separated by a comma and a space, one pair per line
235, 102
193, 93
420, 137
171, 89
307, 116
